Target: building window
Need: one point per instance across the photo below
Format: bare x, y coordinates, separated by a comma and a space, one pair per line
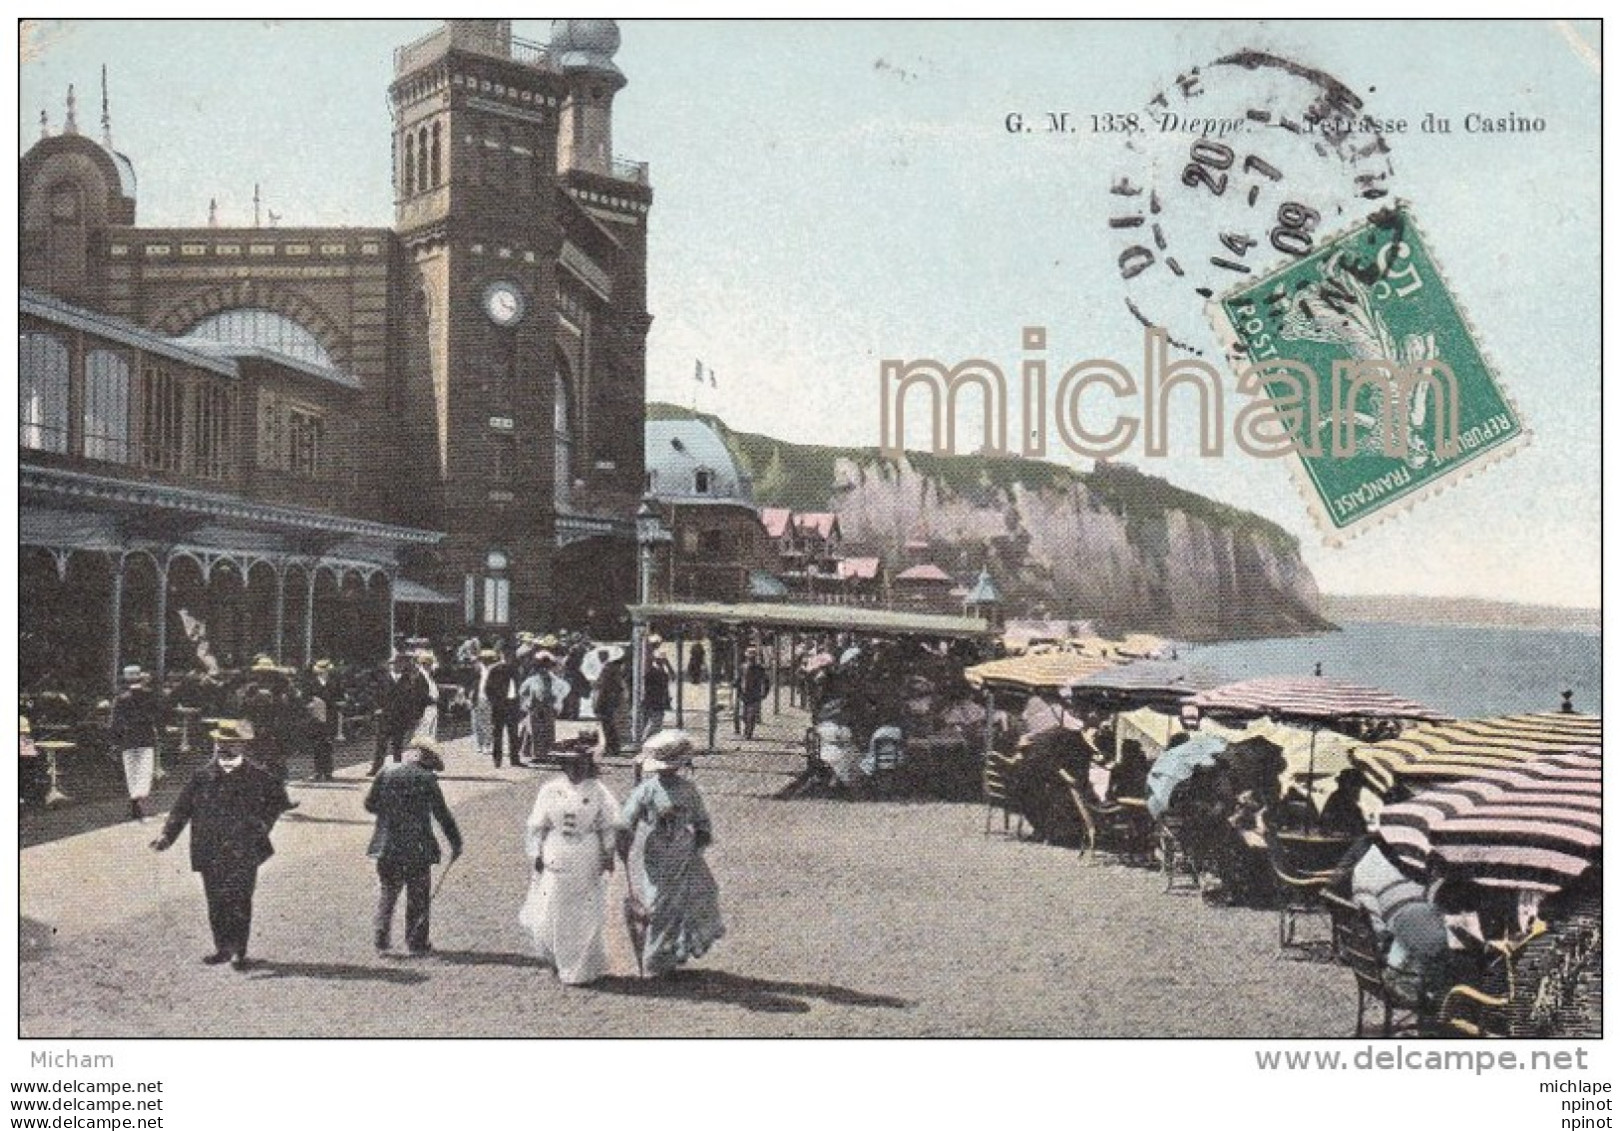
562, 445
503, 459
254, 326
497, 588
163, 418
433, 158
213, 437
422, 160
410, 178
703, 481
106, 407
651, 482
305, 436
469, 598
42, 393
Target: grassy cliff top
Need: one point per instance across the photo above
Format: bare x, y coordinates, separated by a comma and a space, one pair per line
801, 476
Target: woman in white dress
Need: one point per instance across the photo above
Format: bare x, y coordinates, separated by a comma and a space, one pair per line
570, 837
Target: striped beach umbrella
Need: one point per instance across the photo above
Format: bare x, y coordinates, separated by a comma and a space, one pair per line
1535, 826
1312, 700
1036, 671
1436, 753
1140, 683
1309, 699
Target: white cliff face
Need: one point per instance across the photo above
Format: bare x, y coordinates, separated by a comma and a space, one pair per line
1102, 547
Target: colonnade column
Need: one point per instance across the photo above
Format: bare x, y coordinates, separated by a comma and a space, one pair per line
309, 616
117, 619
161, 663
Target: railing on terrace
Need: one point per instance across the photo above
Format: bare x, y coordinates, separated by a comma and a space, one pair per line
474, 40
633, 171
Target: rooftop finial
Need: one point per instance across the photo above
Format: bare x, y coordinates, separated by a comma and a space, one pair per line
44, 125
213, 212
256, 204
106, 112
71, 126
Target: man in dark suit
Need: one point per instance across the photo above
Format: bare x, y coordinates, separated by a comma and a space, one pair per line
231, 805
407, 800
501, 685
406, 694
322, 699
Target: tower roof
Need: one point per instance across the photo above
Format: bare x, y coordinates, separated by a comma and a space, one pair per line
984, 591
585, 45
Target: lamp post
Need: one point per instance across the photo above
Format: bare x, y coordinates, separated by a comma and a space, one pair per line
650, 534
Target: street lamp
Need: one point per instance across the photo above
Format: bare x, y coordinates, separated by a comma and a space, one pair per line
650, 534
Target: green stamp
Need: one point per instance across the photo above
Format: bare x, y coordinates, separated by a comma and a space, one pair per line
1373, 373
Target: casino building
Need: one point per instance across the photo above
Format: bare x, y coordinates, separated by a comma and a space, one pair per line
303, 440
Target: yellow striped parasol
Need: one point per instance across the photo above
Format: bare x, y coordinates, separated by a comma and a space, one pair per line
1439, 752
1040, 671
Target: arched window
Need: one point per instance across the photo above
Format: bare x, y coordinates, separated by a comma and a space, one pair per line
497, 588
422, 160
254, 326
408, 183
42, 393
434, 172
562, 446
106, 407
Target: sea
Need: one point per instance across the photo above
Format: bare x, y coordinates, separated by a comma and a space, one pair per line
1462, 671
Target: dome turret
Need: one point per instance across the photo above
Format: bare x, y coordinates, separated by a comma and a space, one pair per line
585, 45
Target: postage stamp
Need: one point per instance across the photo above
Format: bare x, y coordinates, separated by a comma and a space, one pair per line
1374, 371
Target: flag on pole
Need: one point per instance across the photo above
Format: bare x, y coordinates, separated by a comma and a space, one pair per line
698, 372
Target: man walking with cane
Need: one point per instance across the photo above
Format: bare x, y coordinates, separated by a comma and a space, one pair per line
406, 799
231, 805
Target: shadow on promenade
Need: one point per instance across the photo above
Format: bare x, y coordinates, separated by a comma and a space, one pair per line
335, 972
758, 995
485, 958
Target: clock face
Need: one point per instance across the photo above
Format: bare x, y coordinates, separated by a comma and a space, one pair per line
504, 303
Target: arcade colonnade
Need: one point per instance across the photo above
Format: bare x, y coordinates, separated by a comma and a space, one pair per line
120, 572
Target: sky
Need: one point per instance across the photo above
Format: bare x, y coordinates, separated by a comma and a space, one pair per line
828, 196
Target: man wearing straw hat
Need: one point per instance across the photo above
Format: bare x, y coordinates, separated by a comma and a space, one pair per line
133, 731
323, 699
231, 805
407, 800
405, 698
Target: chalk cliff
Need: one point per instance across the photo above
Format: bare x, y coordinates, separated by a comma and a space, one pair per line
1127, 551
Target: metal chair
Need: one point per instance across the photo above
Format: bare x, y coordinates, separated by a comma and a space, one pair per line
1303, 865
995, 786
1123, 823
1483, 1010
1358, 946
1174, 857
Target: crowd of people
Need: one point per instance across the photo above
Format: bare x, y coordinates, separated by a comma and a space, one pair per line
576, 835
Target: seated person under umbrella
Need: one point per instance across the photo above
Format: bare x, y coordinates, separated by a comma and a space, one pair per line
1128, 777
1038, 790
1424, 958
1342, 812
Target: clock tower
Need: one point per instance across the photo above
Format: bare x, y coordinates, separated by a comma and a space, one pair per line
522, 363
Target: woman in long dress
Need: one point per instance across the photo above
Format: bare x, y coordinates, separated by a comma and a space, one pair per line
664, 831
537, 699
571, 839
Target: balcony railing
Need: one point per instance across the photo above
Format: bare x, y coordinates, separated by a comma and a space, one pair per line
475, 40
633, 171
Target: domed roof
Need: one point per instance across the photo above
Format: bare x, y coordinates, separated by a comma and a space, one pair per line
585, 45
678, 450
